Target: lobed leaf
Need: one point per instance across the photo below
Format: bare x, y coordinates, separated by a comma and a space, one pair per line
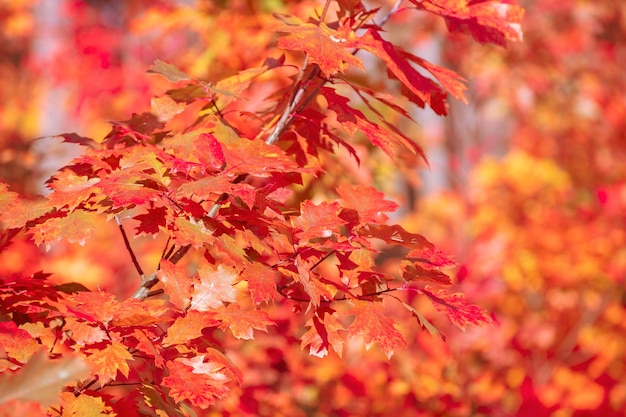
375, 327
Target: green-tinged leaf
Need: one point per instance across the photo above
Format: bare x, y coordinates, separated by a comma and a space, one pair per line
169, 71
427, 325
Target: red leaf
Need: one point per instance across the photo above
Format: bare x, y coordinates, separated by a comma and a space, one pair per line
201, 380
323, 334
126, 188
325, 47
457, 309
96, 306
367, 201
319, 221
242, 322
311, 285
16, 343
415, 272
487, 21
209, 151
372, 324
353, 120
450, 80
431, 256
424, 88
394, 235
261, 282
152, 221
176, 283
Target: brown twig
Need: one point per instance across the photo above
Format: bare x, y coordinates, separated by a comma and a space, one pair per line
129, 248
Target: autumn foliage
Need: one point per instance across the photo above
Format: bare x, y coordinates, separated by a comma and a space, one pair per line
234, 243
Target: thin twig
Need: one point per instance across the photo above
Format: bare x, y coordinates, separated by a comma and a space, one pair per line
390, 13
178, 255
296, 95
128, 247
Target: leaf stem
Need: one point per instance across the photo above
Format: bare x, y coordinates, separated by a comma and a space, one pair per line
323, 15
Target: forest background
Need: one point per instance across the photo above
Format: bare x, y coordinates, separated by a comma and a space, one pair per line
526, 189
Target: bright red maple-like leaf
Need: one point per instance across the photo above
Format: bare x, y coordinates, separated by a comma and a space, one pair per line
371, 322
261, 282
323, 334
456, 307
487, 21
201, 380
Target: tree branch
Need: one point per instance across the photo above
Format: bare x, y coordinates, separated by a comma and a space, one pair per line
297, 103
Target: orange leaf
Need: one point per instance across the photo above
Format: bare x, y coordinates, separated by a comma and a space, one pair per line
134, 312
84, 405
367, 201
487, 21
83, 333
201, 380
76, 226
395, 235
16, 343
106, 362
322, 334
189, 327
176, 283
147, 346
318, 221
261, 282
241, 322
415, 272
325, 47
372, 324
